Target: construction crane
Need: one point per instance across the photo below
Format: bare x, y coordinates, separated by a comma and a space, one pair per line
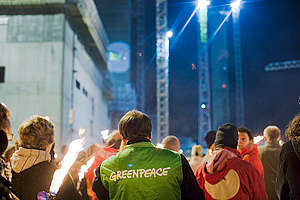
276, 66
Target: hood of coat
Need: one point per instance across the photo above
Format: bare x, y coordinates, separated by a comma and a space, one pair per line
296, 145
25, 158
216, 167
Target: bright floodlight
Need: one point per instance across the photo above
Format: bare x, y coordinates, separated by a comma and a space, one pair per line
203, 106
169, 34
202, 4
236, 4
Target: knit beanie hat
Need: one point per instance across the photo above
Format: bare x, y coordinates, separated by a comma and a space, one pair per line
227, 136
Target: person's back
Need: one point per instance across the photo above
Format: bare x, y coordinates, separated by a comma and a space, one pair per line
226, 175
269, 155
288, 182
156, 171
142, 171
32, 169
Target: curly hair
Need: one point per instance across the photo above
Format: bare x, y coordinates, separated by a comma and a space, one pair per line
36, 133
293, 129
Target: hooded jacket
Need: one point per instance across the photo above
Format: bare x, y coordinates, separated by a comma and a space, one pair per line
227, 176
250, 154
288, 182
101, 155
32, 172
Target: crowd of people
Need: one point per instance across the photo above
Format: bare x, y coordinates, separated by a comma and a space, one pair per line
129, 166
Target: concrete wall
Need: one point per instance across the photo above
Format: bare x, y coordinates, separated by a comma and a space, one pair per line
43, 59
89, 106
31, 50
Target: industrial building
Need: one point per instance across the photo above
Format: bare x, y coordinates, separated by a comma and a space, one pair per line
53, 63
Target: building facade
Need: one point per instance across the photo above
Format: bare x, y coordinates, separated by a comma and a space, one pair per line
53, 55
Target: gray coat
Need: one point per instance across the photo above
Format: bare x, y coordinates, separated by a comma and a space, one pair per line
269, 155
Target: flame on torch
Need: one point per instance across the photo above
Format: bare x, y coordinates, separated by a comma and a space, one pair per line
258, 139
105, 134
84, 168
81, 132
75, 147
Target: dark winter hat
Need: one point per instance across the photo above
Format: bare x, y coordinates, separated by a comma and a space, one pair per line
227, 136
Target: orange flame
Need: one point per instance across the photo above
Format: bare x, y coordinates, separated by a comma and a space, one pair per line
75, 147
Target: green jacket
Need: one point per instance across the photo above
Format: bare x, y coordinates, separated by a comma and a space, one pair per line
142, 171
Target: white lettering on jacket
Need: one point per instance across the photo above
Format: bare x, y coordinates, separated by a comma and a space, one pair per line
139, 173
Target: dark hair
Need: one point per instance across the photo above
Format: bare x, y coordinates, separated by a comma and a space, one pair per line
4, 115
246, 130
293, 129
3, 141
210, 137
135, 124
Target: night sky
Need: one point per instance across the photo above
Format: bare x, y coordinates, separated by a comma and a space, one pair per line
270, 32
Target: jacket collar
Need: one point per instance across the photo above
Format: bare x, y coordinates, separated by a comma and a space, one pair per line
139, 144
273, 144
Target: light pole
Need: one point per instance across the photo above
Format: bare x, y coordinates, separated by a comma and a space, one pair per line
204, 102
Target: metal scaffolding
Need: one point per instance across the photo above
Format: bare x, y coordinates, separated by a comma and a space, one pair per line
238, 72
204, 102
162, 70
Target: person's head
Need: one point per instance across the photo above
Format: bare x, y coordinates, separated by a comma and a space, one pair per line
114, 141
227, 136
293, 129
135, 124
272, 133
171, 142
245, 137
197, 151
36, 133
210, 138
5, 121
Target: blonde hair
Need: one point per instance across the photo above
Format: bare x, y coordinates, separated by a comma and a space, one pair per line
272, 133
36, 133
197, 151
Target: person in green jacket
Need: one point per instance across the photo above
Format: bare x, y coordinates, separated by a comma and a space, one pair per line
142, 171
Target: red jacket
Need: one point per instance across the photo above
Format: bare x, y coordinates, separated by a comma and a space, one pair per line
101, 155
227, 176
250, 154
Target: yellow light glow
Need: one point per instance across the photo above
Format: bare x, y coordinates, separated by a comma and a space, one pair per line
84, 168
81, 131
75, 147
105, 134
258, 139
